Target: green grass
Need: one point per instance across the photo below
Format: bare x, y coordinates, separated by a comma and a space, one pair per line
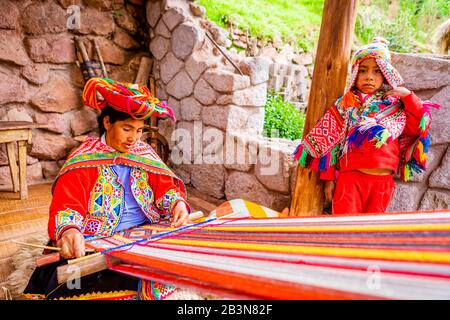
293, 20
299, 20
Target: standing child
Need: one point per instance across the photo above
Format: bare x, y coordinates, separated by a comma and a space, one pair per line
377, 127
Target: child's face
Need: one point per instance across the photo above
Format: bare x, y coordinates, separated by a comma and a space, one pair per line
369, 78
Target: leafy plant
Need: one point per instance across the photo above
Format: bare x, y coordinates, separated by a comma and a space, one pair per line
282, 119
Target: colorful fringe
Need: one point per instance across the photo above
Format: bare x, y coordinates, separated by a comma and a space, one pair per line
151, 290
370, 132
321, 164
416, 155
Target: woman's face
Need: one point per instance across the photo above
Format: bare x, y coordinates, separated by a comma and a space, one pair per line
369, 78
122, 135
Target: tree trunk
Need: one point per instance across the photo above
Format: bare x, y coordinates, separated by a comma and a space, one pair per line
328, 83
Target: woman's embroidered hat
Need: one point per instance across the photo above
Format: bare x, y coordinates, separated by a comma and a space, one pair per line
134, 99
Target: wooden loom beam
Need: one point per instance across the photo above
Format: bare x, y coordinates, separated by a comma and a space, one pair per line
328, 82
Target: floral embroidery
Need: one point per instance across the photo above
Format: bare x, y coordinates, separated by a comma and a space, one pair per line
143, 194
166, 202
67, 218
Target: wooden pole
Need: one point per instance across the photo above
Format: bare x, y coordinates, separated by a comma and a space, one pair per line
328, 83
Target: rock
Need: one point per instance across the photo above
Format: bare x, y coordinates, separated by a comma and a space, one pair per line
170, 66
197, 10
220, 35
50, 169
204, 93
36, 73
241, 185
93, 21
124, 40
57, 95
162, 30
433, 72
184, 172
255, 122
159, 47
240, 152
197, 63
166, 127
252, 97
13, 89
42, 18
34, 175
49, 146
17, 114
440, 178
180, 86
224, 81
439, 132
228, 118
122, 74
161, 93
67, 3
83, 121
191, 109
407, 196
257, 68
53, 49
56, 122
176, 107
273, 167
209, 179
11, 49
185, 38
435, 155
101, 4
213, 146
110, 52
9, 16
173, 17
303, 59
435, 199
126, 21
153, 10
187, 139
269, 53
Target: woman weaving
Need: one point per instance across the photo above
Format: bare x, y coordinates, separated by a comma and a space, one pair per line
109, 184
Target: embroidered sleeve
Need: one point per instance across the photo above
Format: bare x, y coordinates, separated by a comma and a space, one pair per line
66, 219
319, 149
167, 202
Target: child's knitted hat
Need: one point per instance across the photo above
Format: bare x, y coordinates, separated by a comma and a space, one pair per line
377, 49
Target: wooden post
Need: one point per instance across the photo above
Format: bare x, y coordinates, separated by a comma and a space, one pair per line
328, 83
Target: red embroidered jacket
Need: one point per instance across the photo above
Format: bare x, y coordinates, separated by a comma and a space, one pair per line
87, 194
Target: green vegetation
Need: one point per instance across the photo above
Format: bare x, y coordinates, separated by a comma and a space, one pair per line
408, 27
282, 119
292, 20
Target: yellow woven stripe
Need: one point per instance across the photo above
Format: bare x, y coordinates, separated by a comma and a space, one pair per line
97, 295
357, 228
404, 255
256, 211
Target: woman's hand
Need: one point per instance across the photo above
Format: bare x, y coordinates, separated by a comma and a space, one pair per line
72, 244
400, 92
329, 190
180, 215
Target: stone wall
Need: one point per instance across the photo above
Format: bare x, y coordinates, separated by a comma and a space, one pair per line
429, 77
40, 79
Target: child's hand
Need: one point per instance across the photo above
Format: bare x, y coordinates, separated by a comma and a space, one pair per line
400, 92
329, 190
180, 215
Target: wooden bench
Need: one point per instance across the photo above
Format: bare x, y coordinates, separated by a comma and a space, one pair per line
20, 132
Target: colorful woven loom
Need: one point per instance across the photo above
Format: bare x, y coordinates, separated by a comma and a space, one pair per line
395, 256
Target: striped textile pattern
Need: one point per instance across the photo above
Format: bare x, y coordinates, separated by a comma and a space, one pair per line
395, 256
